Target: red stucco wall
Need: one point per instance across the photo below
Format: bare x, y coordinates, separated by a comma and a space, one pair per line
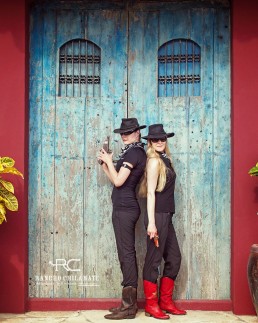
14, 135
13, 143
245, 146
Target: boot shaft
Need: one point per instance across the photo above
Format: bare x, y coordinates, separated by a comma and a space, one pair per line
128, 308
150, 290
129, 297
166, 291
151, 303
166, 286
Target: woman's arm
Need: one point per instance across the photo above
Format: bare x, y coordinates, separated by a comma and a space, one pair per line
106, 170
152, 180
117, 178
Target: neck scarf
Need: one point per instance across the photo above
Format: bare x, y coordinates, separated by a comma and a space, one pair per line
130, 146
165, 156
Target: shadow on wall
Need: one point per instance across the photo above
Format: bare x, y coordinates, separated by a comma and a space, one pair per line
11, 22
247, 10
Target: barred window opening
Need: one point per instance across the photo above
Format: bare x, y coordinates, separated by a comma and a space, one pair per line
179, 68
79, 69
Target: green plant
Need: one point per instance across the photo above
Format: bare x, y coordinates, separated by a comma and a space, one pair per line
254, 170
7, 198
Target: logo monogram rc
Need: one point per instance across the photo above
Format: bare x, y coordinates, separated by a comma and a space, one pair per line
67, 265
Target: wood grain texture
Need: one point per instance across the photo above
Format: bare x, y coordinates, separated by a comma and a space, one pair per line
69, 196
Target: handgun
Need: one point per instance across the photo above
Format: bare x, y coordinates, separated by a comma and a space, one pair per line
156, 240
106, 148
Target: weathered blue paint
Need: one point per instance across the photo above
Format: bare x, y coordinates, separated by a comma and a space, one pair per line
69, 198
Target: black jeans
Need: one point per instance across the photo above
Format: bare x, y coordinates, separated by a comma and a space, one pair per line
124, 223
168, 249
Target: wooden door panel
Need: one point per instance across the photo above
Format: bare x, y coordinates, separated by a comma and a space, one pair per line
69, 168
194, 119
70, 217
222, 148
142, 88
42, 126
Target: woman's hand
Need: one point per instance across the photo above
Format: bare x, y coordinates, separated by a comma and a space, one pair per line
104, 167
105, 157
151, 230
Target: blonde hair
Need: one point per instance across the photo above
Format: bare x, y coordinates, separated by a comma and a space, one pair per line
162, 177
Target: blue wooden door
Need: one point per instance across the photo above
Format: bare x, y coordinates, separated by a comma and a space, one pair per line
78, 82
90, 66
179, 75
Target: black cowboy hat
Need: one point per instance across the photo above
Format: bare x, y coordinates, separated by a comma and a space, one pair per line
157, 131
129, 124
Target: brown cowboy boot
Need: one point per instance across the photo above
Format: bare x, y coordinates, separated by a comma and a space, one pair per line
116, 309
128, 307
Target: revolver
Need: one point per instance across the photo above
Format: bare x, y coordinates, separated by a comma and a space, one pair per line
106, 148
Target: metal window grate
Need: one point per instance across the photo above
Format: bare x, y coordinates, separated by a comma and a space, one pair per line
79, 69
179, 66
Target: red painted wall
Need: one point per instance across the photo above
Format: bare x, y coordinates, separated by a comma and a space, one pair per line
13, 143
245, 147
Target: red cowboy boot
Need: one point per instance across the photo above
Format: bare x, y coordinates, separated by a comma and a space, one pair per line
165, 301
151, 306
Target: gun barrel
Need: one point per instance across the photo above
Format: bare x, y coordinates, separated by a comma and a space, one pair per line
106, 144
105, 147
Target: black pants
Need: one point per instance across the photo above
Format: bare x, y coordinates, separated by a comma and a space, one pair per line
124, 223
168, 249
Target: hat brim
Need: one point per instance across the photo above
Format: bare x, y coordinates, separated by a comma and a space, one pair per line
168, 135
129, 129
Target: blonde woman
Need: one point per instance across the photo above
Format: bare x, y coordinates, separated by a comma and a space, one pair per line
158, 185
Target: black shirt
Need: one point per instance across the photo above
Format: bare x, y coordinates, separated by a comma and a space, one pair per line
164, 200
125, 195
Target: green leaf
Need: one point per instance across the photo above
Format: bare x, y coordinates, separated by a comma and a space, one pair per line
2, 218
2, 209
9, 199
254, 171
12, 170
7, 162
7, 185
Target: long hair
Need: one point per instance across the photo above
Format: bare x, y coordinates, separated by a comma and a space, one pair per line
162, 171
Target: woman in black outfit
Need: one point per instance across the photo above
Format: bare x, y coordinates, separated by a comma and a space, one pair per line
126, 211
158, 185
